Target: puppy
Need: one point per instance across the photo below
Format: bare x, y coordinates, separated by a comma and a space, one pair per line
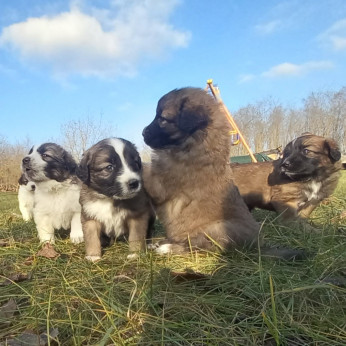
26, 197
114, 202
56, 197
190, 179
294, 185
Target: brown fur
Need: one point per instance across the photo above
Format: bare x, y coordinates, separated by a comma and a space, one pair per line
265, 185
191, 183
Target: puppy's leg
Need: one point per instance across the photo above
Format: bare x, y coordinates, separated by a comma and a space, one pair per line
26, 213
76, 234
289, 215
138, 229
44, 228
305, 212
92, 238
286, 210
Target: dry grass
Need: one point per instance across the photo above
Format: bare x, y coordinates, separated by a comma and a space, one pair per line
238, 299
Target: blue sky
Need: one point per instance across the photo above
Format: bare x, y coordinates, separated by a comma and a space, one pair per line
64, 60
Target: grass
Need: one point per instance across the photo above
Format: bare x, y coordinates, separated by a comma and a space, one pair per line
241, 298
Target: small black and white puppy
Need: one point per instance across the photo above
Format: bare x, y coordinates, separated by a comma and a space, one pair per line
114, 202
56, 197
26, 197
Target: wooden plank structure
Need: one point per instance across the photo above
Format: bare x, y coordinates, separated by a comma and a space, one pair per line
216, 93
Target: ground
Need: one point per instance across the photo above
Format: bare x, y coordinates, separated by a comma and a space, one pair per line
197, 299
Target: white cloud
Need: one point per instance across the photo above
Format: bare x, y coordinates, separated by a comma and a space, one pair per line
268, 28
103, 43
289, 69
335, 36
246, 78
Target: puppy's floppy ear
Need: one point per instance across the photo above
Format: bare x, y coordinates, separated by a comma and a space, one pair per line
139, 161
70, 163
333, 149
82, 171
192, 117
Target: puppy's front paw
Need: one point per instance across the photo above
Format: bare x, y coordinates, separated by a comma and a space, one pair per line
76, 237
47, 239
164, 249
93, 258
152, 247
132, 256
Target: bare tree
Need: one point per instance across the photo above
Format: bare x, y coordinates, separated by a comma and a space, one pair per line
10, 159
267, 124
78, 135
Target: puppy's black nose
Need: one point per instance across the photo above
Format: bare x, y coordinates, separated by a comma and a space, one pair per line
133, 184
26, 160
286, 164
33, 187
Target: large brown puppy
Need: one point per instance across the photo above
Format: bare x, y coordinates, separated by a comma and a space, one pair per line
294, 185
190, 179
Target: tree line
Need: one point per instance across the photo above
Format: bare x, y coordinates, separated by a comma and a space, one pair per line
266, 124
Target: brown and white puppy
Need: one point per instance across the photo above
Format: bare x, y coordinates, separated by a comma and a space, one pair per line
190, 179
56, 197
114, 202
294, 185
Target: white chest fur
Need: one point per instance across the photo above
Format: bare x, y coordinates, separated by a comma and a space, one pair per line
112, 218
56, 201
312, 190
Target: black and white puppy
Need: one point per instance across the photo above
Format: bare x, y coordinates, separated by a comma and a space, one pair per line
114, 202
26, 197
56, 197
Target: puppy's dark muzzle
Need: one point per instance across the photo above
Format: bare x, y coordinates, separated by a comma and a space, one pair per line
133, 184
145, 131
146, 134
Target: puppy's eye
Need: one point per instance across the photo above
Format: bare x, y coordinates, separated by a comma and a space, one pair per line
162, 121
306, 151
109, 168
45, 155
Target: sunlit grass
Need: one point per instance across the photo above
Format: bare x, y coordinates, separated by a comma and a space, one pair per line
241, 299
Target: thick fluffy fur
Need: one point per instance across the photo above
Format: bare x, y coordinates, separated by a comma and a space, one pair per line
26, 197
114, 202
294, 185
56, 197
190, 180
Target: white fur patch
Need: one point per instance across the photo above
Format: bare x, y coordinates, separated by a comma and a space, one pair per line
164, 249
26, 201
127, 174
93, 258
313, 188
56, 205
132, 256
112, 218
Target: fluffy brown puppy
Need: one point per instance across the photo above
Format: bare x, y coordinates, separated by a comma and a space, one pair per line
114, 202
294, 185
190, 179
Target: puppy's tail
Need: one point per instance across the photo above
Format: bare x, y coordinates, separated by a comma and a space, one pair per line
285, 253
